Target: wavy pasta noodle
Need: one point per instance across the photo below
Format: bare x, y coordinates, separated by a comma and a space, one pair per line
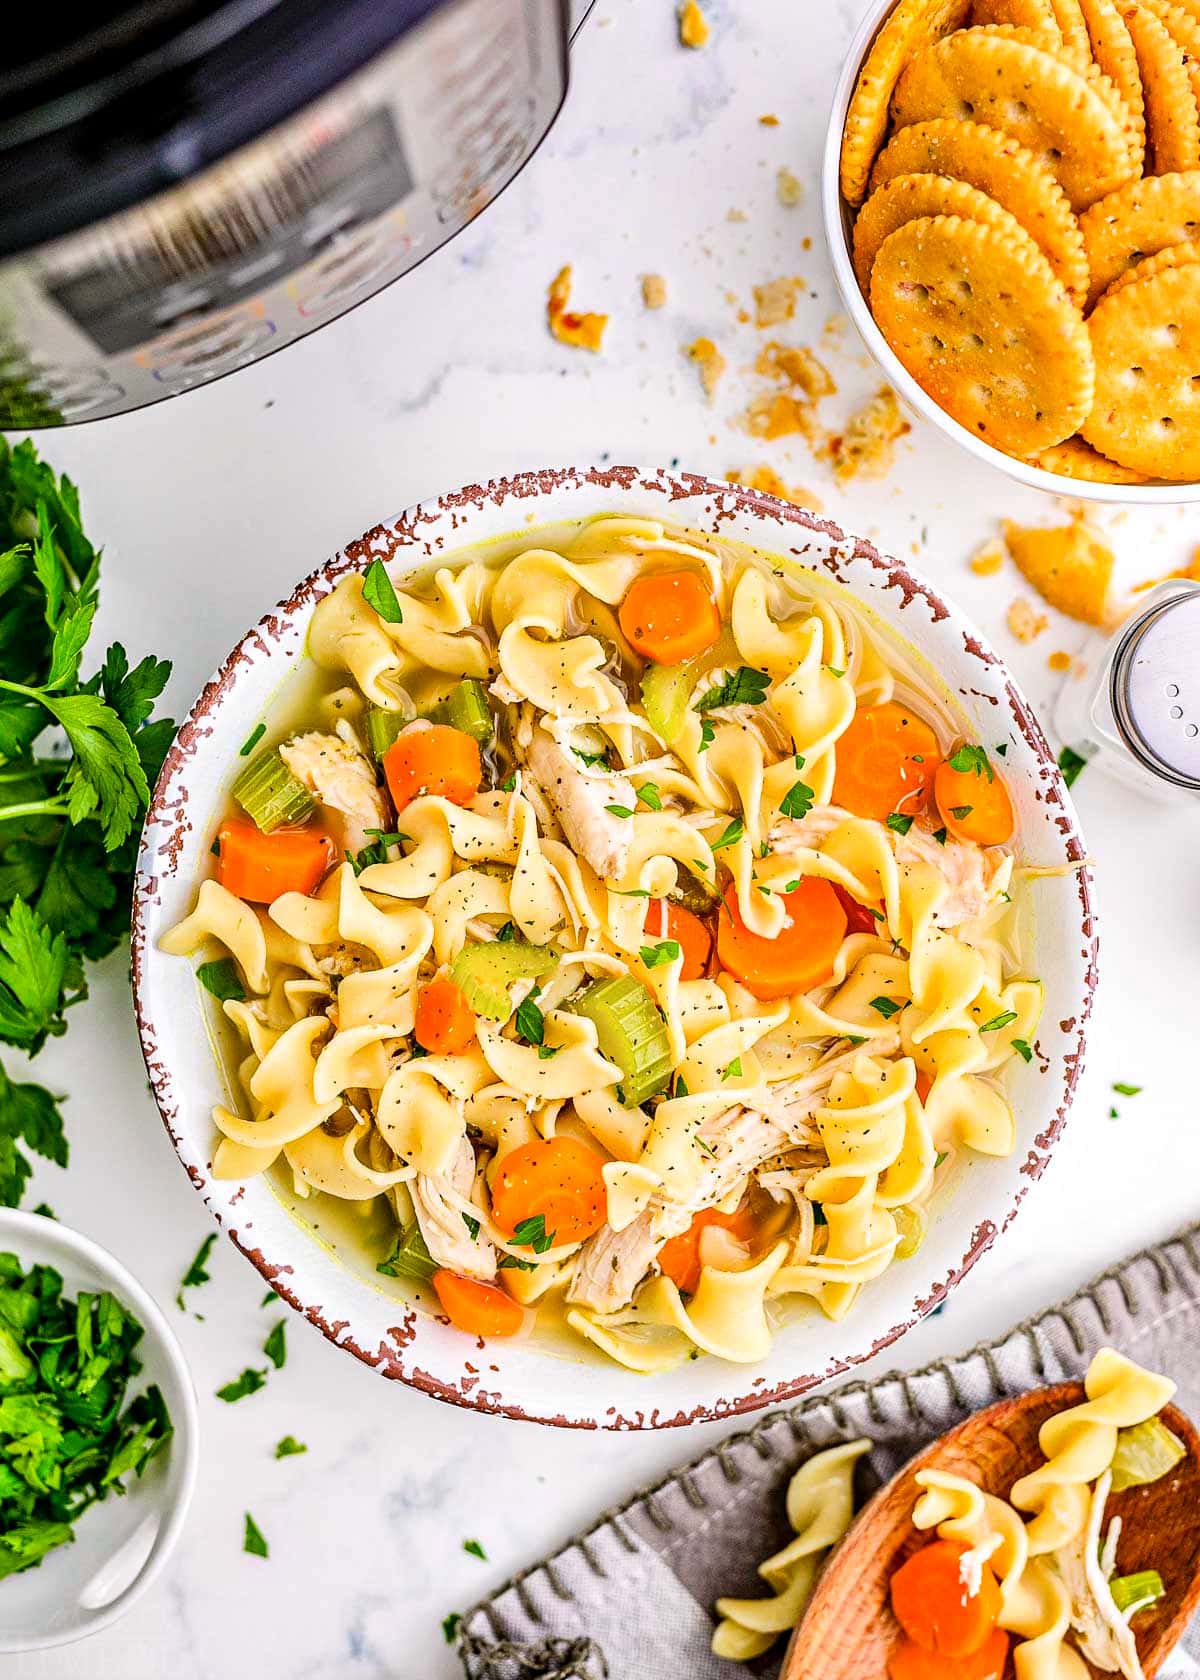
588, 924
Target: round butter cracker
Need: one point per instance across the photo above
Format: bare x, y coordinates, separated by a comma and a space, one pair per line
1073, 458
1137, 221
1029, 93
907, 197
1028, 14
1146, 342
978, 318
1172, 116
909, 27
1112, 49
1000, 166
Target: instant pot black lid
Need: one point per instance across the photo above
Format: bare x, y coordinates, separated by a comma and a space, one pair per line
94, 119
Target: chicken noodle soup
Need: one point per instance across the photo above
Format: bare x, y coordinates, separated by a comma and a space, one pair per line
627, 918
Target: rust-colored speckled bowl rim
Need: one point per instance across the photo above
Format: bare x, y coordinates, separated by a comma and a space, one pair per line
520, 1380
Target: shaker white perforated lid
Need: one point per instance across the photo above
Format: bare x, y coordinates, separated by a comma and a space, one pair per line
1155, 688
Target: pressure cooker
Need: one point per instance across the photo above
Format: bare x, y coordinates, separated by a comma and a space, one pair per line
187, 187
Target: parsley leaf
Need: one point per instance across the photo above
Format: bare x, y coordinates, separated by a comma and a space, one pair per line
899, 822
530, 1021
939, 834
289, 1447
667, 950
618, 810
960, 813
591, 758
472, 1225
222, 980
707, 735
475, 1549
649, 796
743, 687
886, 1006
1127, 1090
733, 833
450, 1627
972, 759
734, 1070
1023, 1050
196, 1274
1004, 1019
379, 592
532, 1233
797, 801
377, 851
509, 1263
252, 740
33, 976
249, 1382
1071, 763
253, 1541
275, 1347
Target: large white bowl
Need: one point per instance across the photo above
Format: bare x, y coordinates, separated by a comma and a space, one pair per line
838, 223
121, 1544
520, 1379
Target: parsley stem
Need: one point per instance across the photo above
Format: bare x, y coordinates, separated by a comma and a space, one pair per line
35, 768
35, 808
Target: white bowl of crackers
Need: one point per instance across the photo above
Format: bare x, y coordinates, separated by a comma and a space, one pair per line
1011, 191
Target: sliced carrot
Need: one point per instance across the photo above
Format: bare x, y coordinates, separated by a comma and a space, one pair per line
924, 1086
859, 917
445, 1022
800, 957
665, 920
909, 1662
557, 1179
931, 1602
437, 760
974, 804
259, 867
669, 617
481, 1309
679, 1257
885, 762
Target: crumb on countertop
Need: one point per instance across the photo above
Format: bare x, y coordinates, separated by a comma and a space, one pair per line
775, 300
835, 328
789, 188
1070, 566
1059, 661
988, 560
693, 25
867, 443
654, 291
776, 414
736, 215
767, 480
709, 361
795, 364
584, 332
768, 121
1191, 571
1024, 621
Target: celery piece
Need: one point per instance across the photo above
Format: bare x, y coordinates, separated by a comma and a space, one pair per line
1145, 1452
1143, 1589
270, 795
665, 690
409, 1257
485, 972
910, 1222
382, 729
631, 1032
467, 709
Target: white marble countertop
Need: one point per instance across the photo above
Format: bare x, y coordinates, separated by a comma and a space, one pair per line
210, 508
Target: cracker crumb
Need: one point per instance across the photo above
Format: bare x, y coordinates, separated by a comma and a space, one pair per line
767, 480
775, 414
584, 332
775, 300
835, 327
789, 188
1070, 566
736, 216
743, 315
988, 560
709, 361
1191, 571
768, 121
867, 444
654, 291
1024, 620
1059, 661
795, 364
693, 25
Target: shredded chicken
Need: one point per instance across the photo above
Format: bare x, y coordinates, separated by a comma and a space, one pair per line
442, 1225
580, 802
339, 776
612, 1264
791, 833
739, 1141
965, 867
1103, 1635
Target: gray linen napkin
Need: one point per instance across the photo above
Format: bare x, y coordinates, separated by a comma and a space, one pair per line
632, 1598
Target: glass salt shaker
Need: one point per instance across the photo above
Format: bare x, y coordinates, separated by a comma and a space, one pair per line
1138, 717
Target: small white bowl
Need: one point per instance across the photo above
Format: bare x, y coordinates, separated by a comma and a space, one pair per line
838, 224
122, 1543
522, 1378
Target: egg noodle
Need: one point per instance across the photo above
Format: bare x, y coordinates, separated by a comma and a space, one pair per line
785, 1142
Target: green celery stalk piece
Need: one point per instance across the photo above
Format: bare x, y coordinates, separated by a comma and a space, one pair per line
1145, 1452
485, 972
1143, 1589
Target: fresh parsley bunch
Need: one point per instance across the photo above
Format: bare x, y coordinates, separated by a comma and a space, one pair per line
77, 760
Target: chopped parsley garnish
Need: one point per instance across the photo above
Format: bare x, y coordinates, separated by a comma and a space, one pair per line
630, 892
834, 672
271, 1295
679, 1089
917, 758
618, 810
196, 1274
1113, 1115
221, 978
379, 592
450, 1627
763, 849
475, 1549
707, 735
960, 813
530, 1022
377, 851
591, 759
734, 1070
972, 759
509, 783
819, 1214
289, 1447
546, 1052
1001, 749
899, 822
249, 1382
507, 934
731, 836
940, 1157
67, 1438
510, 1263
798, 761
1127, 1090
275, 1347
252, 740
1023, 1050
703, 1143
649, 796
793, 886
253, 1541
1070, 763
1004, 1019
472, 1225
852, 1039
939, 834
532, 1233
797, 801
667, 950
886, 1006
743, 687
